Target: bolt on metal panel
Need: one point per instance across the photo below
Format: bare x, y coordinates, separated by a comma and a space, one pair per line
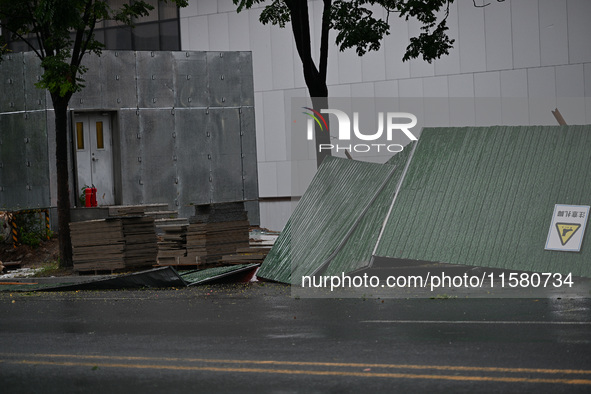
35, 97
246, 81
37, 160
91, 95
120, 89
249, 153
12, 97
193, 153
226, 155
224, 78
154, 79
191, 85
131, 157
13, 174
193, 159
158, 167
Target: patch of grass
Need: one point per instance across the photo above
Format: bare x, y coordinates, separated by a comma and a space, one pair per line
48, 269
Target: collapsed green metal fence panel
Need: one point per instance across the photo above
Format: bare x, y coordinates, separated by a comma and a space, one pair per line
332, 206
485, 197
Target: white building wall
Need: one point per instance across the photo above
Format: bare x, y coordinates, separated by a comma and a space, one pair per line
526, 57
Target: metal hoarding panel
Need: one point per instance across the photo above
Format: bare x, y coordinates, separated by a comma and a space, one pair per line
226, 155
249, 153
485, 197
35, 97
120, 89
224, 78
332, 205
13, 171
12, 97
90, 97
193, 158
159, 176
191, 85
131, 157
356, 253
246, 79
36, 157
154, 79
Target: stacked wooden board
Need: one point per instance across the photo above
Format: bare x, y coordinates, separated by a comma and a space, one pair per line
217, 230
113, 243
97, 245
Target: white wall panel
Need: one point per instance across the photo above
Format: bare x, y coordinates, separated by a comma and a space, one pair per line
219, 32
373, 66
487, 89
570, 92
514, 103
461, 100
436, 93
362, 90
282, 58
284, 180
472, 41
188, 11
525, 26
579, 30
184, 25
499, 46
198, 39
259, 119
350, 67
260, 44
239, 26
542, 95
553, 32
275, 134
418, 67
410, 87
267, 179
339, 90
206, 7
332, 75
227, 6
450, 64
275, 214
394, 46
386, 89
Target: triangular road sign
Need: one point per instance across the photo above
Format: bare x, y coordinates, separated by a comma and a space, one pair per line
566, 231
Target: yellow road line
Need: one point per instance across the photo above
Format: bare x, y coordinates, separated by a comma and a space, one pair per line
306, 372
306, 363
310, 363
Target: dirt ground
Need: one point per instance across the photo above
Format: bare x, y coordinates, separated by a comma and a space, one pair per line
28, 256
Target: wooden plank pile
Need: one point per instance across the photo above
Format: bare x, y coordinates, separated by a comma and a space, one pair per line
252, 254
172, 246
113, 243
216, 230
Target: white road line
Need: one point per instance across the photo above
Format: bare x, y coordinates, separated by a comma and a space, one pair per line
559, 323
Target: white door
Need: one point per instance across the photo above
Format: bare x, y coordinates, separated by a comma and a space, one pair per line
94, 155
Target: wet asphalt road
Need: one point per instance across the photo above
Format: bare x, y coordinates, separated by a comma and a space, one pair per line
258, 338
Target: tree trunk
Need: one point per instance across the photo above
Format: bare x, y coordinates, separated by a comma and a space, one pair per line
315, 78
60, 106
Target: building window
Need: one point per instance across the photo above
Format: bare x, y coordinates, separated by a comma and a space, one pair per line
158, 31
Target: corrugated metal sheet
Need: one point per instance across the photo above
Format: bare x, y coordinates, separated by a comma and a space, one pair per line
207, 275
334, 223
485, 197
